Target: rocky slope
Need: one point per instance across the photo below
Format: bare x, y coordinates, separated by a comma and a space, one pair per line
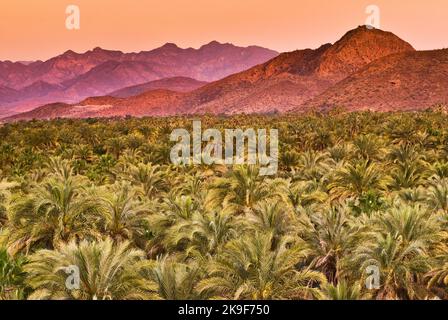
406, 81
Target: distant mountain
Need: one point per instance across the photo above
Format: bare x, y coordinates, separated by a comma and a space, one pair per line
292, 78
76, 76
7, 94
178, 84
405, 81
37, 89
109, 76
156, 102
58, 69
26, 62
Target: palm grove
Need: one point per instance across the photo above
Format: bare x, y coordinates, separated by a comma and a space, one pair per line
353, 190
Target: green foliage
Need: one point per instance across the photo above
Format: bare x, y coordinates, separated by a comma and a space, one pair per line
353, 190
12, 276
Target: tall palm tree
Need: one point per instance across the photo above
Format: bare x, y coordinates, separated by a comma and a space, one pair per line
368, 147
355, 179
55, 211
407, 175
107, 271
115, 146
270, 217
203, 233
339, 152
437, 196
150, 179
249, 268
401, 265
302, 193
330, 236
438, 276
401, 246
410, 223
313, 165
243, 187
121, 215
168, 220
175, 280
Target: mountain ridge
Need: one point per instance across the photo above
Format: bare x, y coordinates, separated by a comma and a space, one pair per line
99, 71
363, 64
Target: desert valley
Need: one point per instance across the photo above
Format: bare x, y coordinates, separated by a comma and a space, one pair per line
123, 176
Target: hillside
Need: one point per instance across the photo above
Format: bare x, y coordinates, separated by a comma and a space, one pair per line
178, 84
406, 81
291, 79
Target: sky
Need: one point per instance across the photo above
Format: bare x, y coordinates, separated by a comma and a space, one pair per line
36, 29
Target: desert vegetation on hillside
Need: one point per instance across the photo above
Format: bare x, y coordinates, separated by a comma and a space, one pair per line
353, 191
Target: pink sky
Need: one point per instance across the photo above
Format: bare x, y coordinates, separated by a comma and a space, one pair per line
31, 29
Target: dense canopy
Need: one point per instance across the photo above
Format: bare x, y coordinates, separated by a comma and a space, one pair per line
354, 191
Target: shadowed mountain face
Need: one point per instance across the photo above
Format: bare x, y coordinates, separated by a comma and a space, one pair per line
365, 69
178, 84
72, 77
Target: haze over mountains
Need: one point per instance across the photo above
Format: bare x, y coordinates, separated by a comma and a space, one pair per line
367, 69
72, 76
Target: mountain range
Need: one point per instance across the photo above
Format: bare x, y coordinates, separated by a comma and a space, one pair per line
71, 77
367, 69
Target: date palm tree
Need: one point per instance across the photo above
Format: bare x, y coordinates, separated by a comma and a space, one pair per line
313, 165
355, 179
438, 276
115, 146
204, 233
368, 147
270, 217
121, 215
243, 187
55, 211
401, 247
437, 197
399, 264
150, 179
175, 280
106, 271
330, 236
407, 175
249, 268
168, 220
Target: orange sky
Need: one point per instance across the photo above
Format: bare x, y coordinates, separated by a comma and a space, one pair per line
35, 29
